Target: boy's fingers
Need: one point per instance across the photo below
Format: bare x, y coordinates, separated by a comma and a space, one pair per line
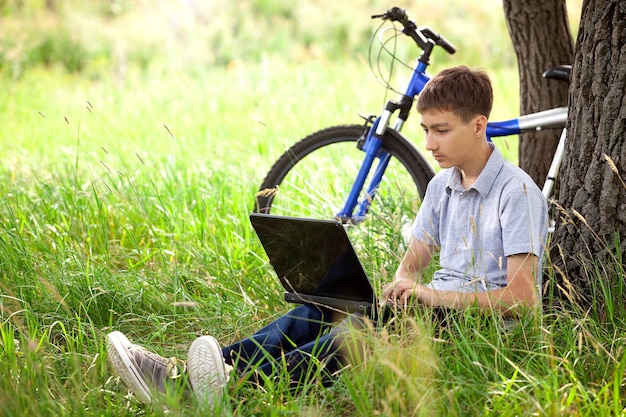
406, 296
387, 291
398, 291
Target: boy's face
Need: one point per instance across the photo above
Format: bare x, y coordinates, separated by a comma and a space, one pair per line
452, 142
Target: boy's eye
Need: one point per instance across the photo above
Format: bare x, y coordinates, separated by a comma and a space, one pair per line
437, 130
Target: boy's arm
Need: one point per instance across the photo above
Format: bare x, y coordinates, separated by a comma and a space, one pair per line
520, 292
410, 270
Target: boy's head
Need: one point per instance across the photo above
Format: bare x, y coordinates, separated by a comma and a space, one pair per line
459, 90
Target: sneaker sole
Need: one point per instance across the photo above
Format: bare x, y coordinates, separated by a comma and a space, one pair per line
125, 367
206, 368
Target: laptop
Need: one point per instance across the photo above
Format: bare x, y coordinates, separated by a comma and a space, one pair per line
315, 262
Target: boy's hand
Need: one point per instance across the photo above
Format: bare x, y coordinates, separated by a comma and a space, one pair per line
400, 291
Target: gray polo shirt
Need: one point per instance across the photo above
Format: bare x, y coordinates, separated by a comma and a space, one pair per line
502, 214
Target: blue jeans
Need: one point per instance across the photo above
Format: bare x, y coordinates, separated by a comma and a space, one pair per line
301, 338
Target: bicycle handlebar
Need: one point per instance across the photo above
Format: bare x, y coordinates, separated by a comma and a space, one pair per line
423, 37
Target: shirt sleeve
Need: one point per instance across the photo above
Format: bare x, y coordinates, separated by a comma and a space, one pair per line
426, 225
524, 221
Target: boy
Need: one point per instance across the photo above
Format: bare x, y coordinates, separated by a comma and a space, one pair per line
486, 217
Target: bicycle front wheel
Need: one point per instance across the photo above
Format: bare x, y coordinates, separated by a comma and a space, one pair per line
315, 175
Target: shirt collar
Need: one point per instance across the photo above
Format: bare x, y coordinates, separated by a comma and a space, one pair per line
487, 177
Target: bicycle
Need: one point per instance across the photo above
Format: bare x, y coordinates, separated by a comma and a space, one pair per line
292, 188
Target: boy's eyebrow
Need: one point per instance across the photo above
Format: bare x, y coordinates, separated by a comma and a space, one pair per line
436, 125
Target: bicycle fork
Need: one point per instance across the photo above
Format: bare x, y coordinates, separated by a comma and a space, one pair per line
373, 144
372, 148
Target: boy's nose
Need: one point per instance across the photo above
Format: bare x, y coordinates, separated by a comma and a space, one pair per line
431, 144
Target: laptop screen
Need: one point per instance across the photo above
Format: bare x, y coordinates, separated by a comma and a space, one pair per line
313, 257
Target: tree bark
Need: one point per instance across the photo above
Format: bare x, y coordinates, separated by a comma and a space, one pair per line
541, 38
590, 239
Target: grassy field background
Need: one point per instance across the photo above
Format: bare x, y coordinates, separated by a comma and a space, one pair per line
134, 135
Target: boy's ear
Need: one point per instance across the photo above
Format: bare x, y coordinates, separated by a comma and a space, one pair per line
480, 125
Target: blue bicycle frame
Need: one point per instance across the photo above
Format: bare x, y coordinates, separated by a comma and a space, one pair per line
554, 118
372, 149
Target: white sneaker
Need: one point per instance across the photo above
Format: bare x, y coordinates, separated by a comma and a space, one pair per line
142, 371
208, 373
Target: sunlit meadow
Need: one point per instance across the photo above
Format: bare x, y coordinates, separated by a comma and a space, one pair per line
134, 135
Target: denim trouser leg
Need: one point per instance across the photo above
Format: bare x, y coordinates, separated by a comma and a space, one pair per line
297, 336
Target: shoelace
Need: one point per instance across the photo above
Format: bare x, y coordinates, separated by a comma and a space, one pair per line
172, 368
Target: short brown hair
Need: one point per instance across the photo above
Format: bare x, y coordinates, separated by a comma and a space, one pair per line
460, 90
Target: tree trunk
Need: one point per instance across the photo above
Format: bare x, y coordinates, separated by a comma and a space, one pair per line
541, 38
589, 243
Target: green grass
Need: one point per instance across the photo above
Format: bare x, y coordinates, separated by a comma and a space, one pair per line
125, 204
125, 208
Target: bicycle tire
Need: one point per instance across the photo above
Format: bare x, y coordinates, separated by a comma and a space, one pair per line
320, 190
